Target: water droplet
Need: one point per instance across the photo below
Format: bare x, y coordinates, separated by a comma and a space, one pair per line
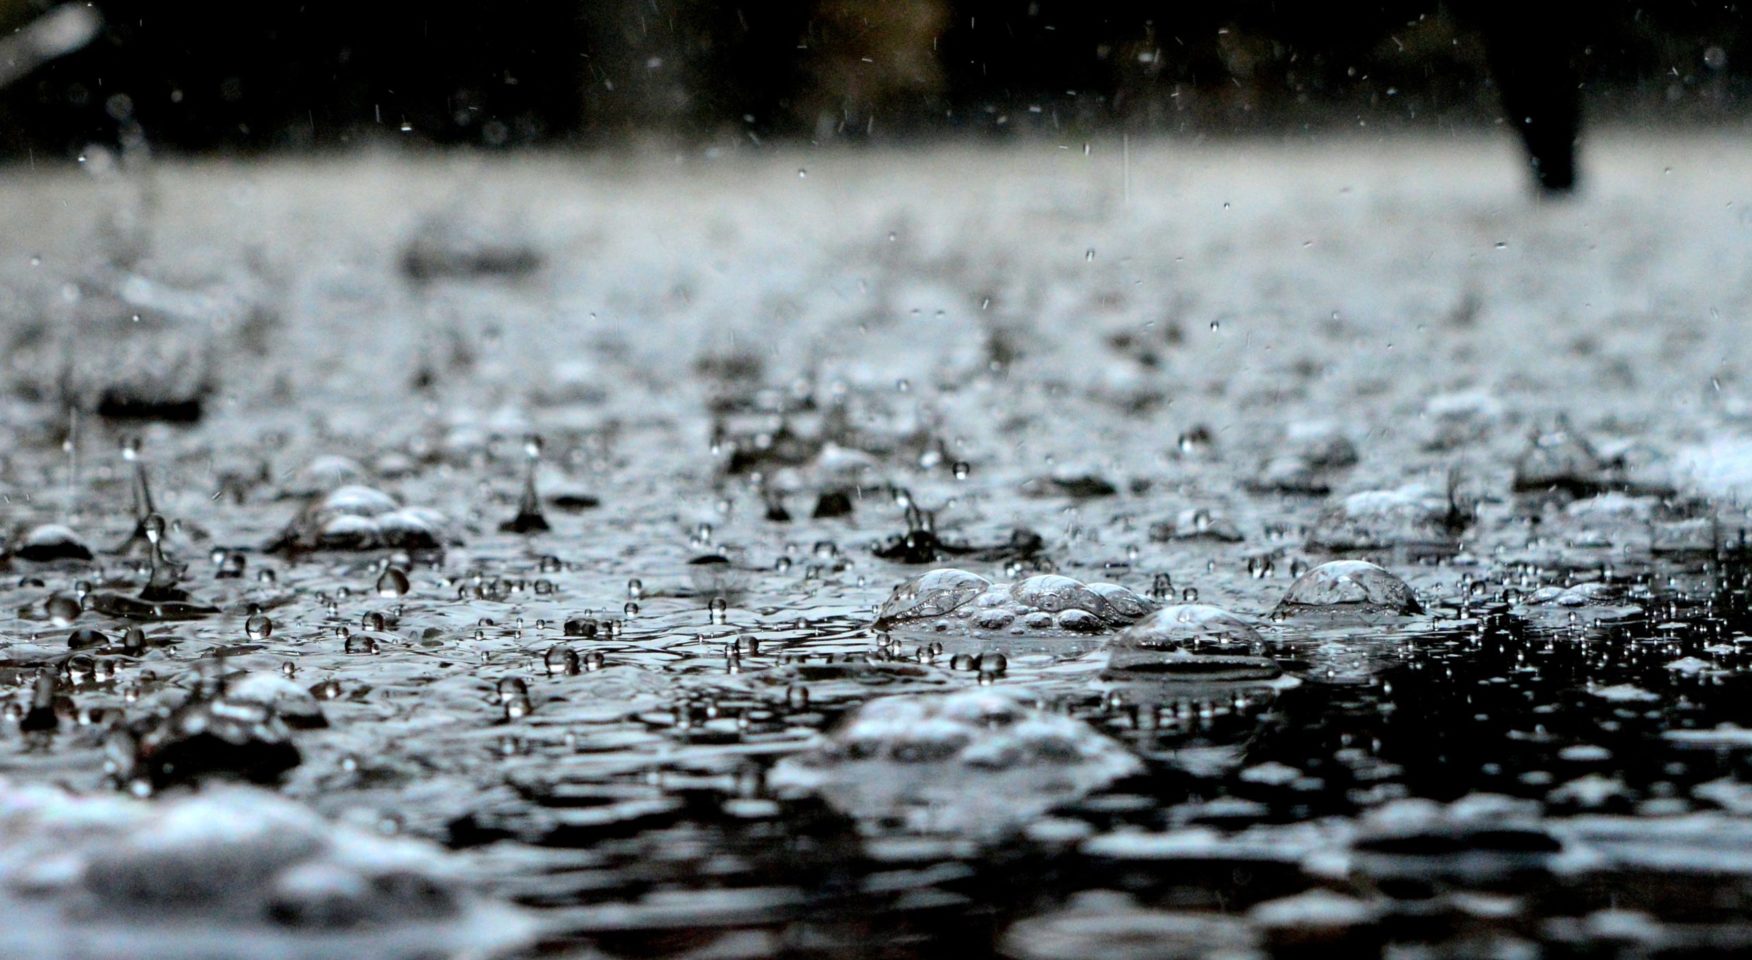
393, 583
561, 660
63, 610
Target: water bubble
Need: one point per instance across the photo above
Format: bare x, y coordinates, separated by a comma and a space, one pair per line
931, 595
1349, 584
712, 574
973, 762
259, 627
363, 518
51, 542
1043, 604
1190, 642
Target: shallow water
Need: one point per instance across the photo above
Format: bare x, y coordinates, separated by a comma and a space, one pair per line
758, 393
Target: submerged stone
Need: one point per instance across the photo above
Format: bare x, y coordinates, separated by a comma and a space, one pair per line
973, 762
1349, 585
1047, 604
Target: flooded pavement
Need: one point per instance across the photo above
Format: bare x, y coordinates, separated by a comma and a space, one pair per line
1233, 550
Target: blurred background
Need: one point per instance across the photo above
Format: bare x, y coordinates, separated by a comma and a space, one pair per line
206, 75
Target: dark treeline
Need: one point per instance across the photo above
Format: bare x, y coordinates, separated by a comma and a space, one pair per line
219, 74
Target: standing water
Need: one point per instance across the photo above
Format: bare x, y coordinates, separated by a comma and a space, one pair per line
571, 559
